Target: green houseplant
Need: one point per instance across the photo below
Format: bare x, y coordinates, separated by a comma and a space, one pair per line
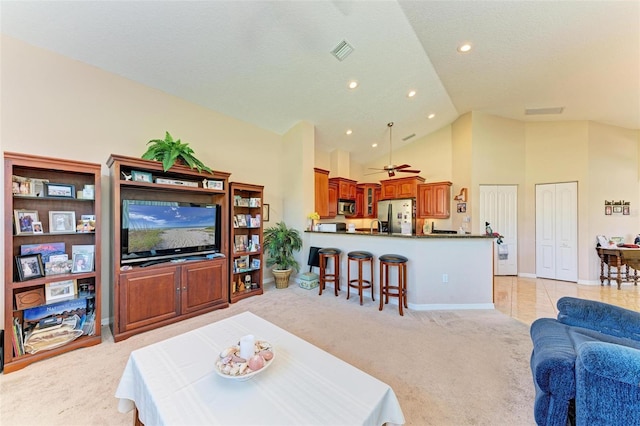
168, 151
280, 242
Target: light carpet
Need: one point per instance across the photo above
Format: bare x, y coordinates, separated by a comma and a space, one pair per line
466, 367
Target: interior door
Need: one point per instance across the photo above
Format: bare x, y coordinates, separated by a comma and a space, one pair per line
499, 207
557, 231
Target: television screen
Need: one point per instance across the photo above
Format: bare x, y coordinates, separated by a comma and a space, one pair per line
160, 228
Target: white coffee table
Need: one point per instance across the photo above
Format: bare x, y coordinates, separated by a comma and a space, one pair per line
174, 382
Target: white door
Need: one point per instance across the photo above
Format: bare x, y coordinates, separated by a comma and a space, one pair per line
557, 231
499, 207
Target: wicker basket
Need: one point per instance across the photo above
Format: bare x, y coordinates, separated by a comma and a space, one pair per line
282, 277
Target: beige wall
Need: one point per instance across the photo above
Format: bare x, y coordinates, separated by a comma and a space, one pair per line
55, 106
480, 149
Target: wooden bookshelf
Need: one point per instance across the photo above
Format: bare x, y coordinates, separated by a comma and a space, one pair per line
49, 188
245, 241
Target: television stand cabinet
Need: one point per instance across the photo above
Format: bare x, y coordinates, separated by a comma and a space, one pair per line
147, 296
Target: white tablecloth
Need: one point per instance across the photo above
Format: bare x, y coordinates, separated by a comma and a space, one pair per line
174, 382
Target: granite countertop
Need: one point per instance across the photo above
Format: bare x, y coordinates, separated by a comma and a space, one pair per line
379, 234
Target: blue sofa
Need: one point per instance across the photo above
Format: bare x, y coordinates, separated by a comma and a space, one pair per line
586, 365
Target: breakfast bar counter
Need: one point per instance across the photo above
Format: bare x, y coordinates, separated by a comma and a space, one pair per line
444, 271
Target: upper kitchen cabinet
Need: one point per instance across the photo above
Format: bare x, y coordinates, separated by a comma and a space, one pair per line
434, 200
367, 195
400, 188
333, 201
346, 188
321, 178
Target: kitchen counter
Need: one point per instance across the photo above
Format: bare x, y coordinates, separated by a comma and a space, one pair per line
383, 234
445, 271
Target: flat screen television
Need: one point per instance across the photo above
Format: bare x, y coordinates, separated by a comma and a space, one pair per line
164, 230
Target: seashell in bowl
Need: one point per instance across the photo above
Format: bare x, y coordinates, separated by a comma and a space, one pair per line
230, 365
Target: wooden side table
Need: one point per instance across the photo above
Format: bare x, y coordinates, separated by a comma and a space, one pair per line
622, 259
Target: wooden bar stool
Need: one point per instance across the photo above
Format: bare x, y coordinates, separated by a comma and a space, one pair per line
326, 254
386, 289
360, 283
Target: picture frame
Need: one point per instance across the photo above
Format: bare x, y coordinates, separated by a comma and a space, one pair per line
59, 190
61, 290
46, 250
607, 210
265, 212
255, 263
138, 176
462, 208
82, 263
617, 209
61, 222
29, 266
37, 228
625, 210
213, 184
24, 220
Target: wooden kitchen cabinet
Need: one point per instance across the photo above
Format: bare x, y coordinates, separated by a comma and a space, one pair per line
321, 179
346, 188
333, 201
367, 195
434, 200
401, 187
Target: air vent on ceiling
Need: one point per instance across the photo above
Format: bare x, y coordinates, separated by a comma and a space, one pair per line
406, 138
543, 111
342, 50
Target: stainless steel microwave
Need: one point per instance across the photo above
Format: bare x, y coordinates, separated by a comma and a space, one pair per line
346, 207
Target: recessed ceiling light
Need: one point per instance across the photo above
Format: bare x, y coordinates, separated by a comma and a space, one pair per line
411, 93
464, 48
373, 145
430, 116
349, 131
353, 84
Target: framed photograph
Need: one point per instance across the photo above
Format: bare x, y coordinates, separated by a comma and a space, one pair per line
61, 290
462, 208
37, 228
61, 190
607, 210
62, 222
255, 263
57, 267
213, 184
82, 263
625, 210
138, 176
617, 209
29, 266
265, 212
24, 221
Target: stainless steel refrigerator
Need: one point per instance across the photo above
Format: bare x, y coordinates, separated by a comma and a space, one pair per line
398, 216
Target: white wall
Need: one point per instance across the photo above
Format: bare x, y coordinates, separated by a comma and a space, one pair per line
62, 108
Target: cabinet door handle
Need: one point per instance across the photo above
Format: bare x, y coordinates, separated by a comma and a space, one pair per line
184, 288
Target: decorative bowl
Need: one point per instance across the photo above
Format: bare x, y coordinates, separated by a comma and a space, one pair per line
230, 366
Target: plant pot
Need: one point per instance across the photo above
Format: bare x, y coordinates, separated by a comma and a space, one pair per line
282, 277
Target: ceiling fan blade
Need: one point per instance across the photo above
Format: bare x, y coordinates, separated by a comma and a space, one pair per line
408, 171
374, 173
403, 166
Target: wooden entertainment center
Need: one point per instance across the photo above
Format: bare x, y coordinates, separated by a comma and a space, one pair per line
147, 295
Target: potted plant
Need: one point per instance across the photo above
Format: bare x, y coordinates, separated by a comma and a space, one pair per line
279, 244
170, 151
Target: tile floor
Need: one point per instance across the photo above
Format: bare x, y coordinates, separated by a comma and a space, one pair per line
526, 299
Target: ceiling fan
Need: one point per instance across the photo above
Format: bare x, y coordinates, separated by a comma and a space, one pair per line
391, 169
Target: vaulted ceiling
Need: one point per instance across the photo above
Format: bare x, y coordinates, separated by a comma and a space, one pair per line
269, 62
